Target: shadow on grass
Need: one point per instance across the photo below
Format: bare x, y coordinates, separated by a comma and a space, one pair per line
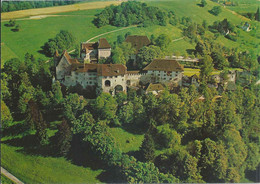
110, 175
132, 128
81, 154
253, 176
15, 130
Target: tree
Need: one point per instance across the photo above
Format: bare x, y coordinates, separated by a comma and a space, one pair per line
163, 41
17, 27
125, 113
168, 137
63, 138
219, 61
257, 15
35, 121
57, 94
206, 68
6, 116
120, 39
203, 3
64, 40
147, 149
12, 23
118, 56
205, 24
216, 10
146, 55
105, 107
214, 161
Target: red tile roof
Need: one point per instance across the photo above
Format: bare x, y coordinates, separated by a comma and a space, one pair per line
101, 69
138, 41
164, 65
68, 58
103, 44
88, 46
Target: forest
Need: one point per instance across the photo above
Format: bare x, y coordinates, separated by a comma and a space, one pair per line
187, 138
130, 13
7, 6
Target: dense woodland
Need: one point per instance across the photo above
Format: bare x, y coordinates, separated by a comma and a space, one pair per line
190, 134
7, 6
131, 13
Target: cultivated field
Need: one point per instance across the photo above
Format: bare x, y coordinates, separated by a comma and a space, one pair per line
245, 6
57, 9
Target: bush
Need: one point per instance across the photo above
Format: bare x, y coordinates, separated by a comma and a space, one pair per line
216, 10
64, 40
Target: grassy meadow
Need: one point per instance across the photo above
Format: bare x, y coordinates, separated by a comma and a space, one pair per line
38, 169
127, 141
245, 6
57, 9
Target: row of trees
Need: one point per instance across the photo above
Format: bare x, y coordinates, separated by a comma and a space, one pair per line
131, 13
7, 6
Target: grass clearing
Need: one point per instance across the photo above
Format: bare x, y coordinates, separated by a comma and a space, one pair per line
57, 9
6, 53
244, 6
38, 169
126, 141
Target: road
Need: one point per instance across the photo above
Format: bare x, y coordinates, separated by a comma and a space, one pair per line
10, 176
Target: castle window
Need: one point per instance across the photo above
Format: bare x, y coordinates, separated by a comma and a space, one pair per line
158, 74
128, 82
107, 83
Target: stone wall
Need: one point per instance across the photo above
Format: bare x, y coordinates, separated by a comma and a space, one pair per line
104, 53
62, 69
109, 83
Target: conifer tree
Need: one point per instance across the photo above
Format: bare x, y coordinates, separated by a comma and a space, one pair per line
63, 138
147, 148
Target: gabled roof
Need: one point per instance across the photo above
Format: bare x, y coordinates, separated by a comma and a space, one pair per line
138, 41
100, 69
103, 44
164, 65
88, 46
154, 87
66, 55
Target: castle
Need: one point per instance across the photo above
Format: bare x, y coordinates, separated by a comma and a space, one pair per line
112, 78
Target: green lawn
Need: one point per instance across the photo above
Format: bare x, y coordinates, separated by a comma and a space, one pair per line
245, 6
39, 169
5, 180
125, 140
6, 53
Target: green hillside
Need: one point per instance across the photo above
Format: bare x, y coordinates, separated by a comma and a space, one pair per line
34, 33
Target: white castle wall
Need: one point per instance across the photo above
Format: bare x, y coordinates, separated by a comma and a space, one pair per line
104, 53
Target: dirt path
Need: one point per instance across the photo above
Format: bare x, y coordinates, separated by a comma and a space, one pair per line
110, 32
10, 176
178, 39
